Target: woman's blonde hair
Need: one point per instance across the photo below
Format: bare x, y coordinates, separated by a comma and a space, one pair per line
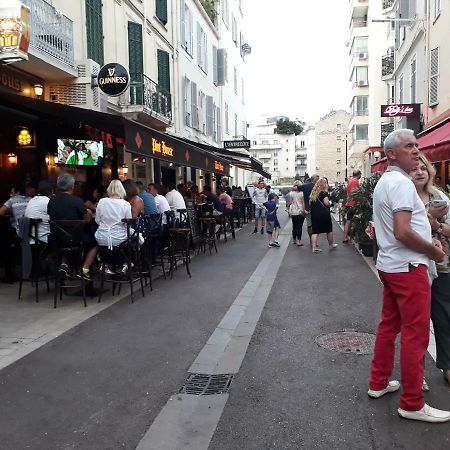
429, 187
320, 186
116, 190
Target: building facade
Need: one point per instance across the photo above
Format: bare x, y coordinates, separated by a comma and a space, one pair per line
331, 144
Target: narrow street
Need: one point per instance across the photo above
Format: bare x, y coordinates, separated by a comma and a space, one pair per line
112, 382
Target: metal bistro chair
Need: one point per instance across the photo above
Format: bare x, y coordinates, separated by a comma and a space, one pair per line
130, 252
179, 243
208, 227
66, 241
154, 245
34, 264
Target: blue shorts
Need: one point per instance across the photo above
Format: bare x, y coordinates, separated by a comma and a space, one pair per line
270, 226
260, 212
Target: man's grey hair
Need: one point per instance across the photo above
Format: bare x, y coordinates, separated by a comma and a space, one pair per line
393, 139
65, 182
315, 177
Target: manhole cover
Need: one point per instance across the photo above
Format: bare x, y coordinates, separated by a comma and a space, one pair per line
348, 342
200, 384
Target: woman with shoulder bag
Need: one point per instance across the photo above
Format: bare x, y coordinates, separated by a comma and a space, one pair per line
320, 215
297, 212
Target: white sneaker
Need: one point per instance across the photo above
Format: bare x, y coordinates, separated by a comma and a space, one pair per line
393, 386
426, 414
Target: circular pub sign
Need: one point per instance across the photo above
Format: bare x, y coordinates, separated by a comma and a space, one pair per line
113, 79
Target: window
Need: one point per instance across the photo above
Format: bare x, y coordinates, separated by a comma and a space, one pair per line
338, 150
201, 104
217, 125
302, 144
400, 90
161, 10
360, 105
94, 30
413, 79
163, 70
338, 161
225, 13
361, 73
338, 172
244, 128
234, 33
338, 126
226, 119
235, 125
202, 48
436, 8
136, 61
187, 32
222, 67
361, 132
235, 80
242, 91
209, 115
433, 89
338, 137
360, 45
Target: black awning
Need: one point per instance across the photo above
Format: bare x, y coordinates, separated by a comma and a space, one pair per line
236, 158
53, 115
151, 143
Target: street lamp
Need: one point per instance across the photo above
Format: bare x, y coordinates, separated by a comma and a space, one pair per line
346, 158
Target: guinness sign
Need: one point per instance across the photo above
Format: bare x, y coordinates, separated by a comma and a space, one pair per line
113, 79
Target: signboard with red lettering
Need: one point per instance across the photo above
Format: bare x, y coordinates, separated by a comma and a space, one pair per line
410, 110
151, 143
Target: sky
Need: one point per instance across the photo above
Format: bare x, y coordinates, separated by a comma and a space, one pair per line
299, 66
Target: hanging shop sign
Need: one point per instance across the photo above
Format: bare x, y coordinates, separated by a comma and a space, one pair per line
19, 82
113, 79
409, 110
14, 31
243, 143
151, 143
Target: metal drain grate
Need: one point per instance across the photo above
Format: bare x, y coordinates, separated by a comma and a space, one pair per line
200, 384
348, 341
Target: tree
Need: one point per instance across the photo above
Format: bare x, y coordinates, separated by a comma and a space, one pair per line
285, 126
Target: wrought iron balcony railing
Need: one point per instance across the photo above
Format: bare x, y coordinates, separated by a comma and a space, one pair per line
386, 128
145, 92
51, 31
387, 64
388, 3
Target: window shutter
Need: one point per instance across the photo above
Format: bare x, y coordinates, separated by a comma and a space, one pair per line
194, 100
219, 125
199, 44
205, 52
209, 115
183, 24
135, 51
220, 67
434, 77
187, 102
94, 30
215, 72
163, 70
161, 10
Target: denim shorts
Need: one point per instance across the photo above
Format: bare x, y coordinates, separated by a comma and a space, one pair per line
270, 226
260, 212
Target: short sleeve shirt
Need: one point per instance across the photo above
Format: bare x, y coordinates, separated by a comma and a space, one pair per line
393, 193
271, 206
66, 207
352, 184
17, 204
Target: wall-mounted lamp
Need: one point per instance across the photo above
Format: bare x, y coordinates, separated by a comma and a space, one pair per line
171, 164
38, 89
377, 155
12, 158
24, 137
124, 169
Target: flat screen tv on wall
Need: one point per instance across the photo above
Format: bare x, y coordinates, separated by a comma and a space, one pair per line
76, 152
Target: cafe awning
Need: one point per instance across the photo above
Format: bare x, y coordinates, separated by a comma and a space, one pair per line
435, 145
151, 143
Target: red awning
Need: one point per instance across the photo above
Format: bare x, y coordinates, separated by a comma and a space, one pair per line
374, 149
380, 166
436, 145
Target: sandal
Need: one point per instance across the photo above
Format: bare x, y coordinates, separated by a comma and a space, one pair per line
333, 246
425, 387
317, 250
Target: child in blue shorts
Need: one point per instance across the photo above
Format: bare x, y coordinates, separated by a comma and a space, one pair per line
272, 224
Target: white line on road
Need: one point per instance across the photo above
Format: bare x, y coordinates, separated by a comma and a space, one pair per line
189, 421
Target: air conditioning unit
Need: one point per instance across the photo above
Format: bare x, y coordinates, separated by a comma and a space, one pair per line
80, 92
363, 55
362, 83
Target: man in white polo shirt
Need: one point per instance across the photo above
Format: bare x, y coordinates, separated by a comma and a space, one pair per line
406, 247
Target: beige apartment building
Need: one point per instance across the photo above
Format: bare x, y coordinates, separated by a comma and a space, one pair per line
332, 141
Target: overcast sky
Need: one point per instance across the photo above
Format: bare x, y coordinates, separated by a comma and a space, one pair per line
299, 62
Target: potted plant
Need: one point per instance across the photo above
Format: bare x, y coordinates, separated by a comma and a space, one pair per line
363, 197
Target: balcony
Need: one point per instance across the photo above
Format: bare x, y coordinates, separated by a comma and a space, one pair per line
386, 128
359, 22
145, 98
388, 4
387, 65
51, 42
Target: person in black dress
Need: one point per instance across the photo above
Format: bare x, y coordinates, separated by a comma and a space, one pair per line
320, 215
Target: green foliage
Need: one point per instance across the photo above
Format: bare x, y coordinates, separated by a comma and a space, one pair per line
363, 197
210, 7
285, 126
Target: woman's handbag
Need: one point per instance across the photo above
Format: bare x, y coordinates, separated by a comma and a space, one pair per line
296, 210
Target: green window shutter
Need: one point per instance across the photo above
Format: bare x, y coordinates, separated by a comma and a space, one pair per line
94, 30
163, 70
135, 51
161, 10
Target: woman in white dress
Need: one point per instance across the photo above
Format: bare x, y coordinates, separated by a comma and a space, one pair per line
109, 214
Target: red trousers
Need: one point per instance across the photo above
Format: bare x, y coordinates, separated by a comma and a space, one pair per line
406, 310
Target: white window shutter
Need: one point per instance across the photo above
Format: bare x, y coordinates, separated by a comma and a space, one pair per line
220, 67
219, 125
199, 44
209, 115
433, 89
194, 99
183, 24
215, 72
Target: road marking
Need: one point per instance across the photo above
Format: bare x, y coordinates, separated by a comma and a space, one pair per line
189, 421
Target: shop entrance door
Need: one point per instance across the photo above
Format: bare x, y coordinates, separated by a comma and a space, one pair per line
168, 176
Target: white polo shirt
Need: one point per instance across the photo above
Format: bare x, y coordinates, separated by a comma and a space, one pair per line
393, 193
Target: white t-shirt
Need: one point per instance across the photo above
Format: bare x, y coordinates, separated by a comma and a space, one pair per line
162, 205
109, 214
176, 200
37, 209
393, 193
